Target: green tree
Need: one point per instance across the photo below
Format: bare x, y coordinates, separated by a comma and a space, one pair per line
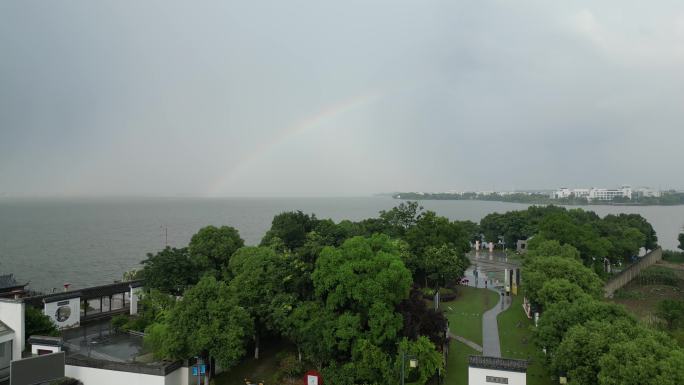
429, 359
431, 230
583, 345
422, 320
206, 321
561, 316
360, 284
540, 247
399, 219
211, 248
443, 265
361, 272
681, 241
539, 270
258, 282
559, 290
650, 359
671, 311
38, 324
639, 223
169, 271
291, 228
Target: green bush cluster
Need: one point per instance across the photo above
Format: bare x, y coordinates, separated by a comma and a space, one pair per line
596, 342
657, 275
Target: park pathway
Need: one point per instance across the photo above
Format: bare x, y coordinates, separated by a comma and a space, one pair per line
466, 341
490, 328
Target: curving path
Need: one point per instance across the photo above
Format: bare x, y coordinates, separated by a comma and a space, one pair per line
490, 328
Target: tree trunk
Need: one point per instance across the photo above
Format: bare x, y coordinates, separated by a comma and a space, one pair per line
299, 353
256, 345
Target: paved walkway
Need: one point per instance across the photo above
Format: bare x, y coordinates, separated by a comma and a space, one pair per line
490, 328
468, 342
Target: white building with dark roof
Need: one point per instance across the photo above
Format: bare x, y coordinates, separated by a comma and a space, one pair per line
483, 370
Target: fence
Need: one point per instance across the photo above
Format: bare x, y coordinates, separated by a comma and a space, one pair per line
631, 272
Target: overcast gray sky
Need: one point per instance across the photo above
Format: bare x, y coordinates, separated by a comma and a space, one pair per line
338, 98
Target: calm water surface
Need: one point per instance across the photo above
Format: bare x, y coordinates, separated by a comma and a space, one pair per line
93, 241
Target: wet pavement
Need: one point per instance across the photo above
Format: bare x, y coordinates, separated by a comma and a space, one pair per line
98, 340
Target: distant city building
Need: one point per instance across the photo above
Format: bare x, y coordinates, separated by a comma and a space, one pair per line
594, 194
646, 192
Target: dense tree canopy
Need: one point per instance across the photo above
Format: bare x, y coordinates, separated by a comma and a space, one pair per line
258, 282
347, 294
291, 228
584, 344
540, 247
170, 271
363, 271
558, 318
211, 248
399, 219
538, 271
421, 320
616, 236
207, 321
649, 359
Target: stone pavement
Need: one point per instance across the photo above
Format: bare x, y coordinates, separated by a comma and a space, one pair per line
490, 328
468, 342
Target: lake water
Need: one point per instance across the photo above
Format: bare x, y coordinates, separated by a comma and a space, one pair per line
93, 241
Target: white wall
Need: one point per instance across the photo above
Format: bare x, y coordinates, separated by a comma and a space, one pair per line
93, 376
178, 377
74, 304
478, 376
36, 347
12, 315
134, 296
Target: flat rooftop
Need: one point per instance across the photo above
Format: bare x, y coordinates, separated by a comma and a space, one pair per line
498, 363
99, 341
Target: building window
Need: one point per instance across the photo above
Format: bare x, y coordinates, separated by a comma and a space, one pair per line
497, 380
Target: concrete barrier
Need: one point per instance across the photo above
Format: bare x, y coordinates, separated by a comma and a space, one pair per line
631, 272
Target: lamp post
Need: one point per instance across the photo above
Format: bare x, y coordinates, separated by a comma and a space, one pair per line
413, 363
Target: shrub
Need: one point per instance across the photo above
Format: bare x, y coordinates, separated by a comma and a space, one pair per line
658, 276
673, 256
119, 322
289, 367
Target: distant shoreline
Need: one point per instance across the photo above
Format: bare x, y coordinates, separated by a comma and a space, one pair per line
672, 199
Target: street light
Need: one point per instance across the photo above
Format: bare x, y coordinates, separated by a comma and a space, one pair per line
413, 363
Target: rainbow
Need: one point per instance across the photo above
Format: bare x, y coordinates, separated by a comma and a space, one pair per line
307, 124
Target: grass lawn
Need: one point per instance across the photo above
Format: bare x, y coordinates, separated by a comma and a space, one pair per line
457, 363
261, 370
515, 336
465, 313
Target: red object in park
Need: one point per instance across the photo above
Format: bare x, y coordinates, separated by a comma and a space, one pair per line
312, 377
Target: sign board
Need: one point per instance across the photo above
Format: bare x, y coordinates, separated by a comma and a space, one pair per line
36, 370
312, 377
203, 370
